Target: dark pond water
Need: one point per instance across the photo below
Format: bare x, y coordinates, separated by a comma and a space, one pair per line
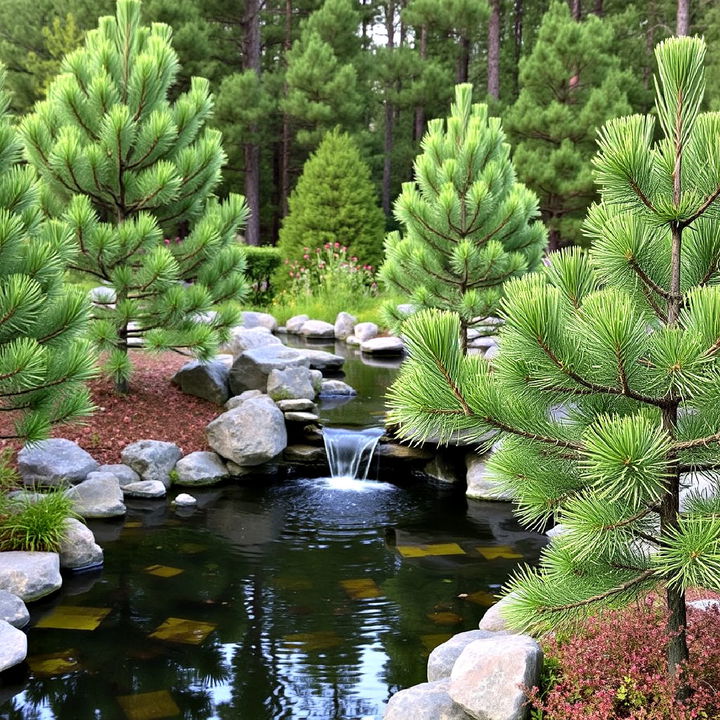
281, 598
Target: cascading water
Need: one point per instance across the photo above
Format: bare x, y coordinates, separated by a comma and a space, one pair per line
350, 452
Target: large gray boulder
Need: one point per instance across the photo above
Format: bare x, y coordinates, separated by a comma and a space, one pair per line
149, 489
79, 550
295, 323
252, 319
55, 461
250, 434
488, 678
443, 657
344, 325
238, 400
103, 295
243, 338
124, 473
152, 459
494, 620
13, 646
318, 330
386, 346
291, 383
481, 483
251, 369
697, 484
428, 701
296, 405
200, 468
336, 387
321, 360
13, 610
365, 331
30, 575
208, 381
100, 496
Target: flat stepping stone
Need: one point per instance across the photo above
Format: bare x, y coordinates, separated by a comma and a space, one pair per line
336, 387
74, 617
297, 405
390, 345
179, 630
306, 417
304, 453
318, 329
322, 360
145, 489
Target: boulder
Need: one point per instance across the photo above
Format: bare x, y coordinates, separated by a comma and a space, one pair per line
204, 380
483, 342
13, 610
295, 323
145, 489
301, 417
318, 330
481, 483
251, 369
365, 331
428, 701
124, 473
30, 575
321, 360
243, 338
100, 496
200, 468
556, 530
443, 657
304, 453
705, 605
13, 646
250, 434
396, 451
406, 308
185, 500
442, 470
103, 295
238, 400
316, 378
152, 459
79, 551
55, 461
488, 678
697, 484
493, 619
299, 405
258, 319
492, 352
206, 318
290, 384
353, 341
344, 325
388, 345
336, 387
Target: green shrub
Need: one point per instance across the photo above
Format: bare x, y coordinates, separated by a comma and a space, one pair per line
261, 264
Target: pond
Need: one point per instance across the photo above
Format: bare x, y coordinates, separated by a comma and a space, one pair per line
283, 597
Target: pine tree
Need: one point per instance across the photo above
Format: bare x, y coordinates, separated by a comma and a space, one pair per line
334, 201
467, 223
570, 85
135, 171
44, 360
626, 339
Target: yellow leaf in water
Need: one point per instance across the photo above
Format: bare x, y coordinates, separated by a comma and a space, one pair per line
411, 551
59, 663
149, 706
163, 571
189, 632
361, 589
499, 551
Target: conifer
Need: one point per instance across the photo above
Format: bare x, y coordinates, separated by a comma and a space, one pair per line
467, 224
135, 172
606, 391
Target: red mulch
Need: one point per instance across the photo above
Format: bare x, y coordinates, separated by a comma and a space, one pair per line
154, 410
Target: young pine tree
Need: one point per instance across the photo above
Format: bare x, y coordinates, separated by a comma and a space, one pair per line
468, 226
334, 201
625, 341
136, 170
570, 84
44, 361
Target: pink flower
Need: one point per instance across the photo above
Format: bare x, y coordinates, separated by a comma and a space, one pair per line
306, 257
337, 244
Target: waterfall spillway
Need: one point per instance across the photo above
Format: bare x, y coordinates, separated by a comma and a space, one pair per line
350, 452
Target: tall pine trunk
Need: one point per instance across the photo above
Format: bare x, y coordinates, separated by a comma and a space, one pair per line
682, 26
389, 114
285, 142
493, 78
419, 124
518, 39
251, 61
576, 9
463, 63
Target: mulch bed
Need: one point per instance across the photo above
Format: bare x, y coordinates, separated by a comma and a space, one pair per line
155, 409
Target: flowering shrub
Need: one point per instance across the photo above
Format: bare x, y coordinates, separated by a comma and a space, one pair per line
329, 269
615, 667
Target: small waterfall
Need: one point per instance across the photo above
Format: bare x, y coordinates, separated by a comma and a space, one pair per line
350, 452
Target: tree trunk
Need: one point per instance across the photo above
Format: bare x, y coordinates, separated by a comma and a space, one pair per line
576, 9
419, 124
122, 386
599, 8
463, 63
518, 38
493, 77
554, 240
285, 142
251, 61
389, 114
682, 26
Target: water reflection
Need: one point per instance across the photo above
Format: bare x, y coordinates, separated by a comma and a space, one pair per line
322, 602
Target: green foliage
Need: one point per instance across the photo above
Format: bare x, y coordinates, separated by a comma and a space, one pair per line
570, 84
606, 388
467, 224
262, 264
334, 201
44, 360
35, 524
135, 170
